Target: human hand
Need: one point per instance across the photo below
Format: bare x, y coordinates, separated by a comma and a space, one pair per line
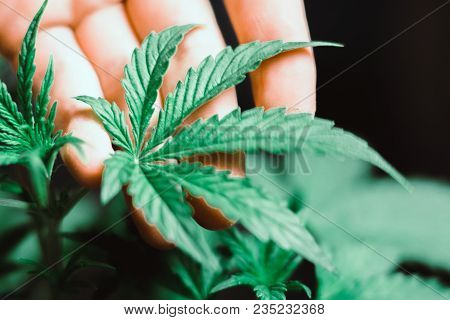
92, 40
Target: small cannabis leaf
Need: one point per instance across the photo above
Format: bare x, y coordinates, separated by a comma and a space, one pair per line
196, 279
26, 131
263, 266
154, 169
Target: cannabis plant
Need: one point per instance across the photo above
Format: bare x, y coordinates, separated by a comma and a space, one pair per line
29, 144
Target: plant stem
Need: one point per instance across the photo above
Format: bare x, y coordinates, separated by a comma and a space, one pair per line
51, 247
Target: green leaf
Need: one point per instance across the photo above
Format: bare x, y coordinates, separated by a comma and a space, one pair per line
50, 123
113, 119
236, 281
237, 199
26, 68
14, 204
212, 77
217, 187
10, 186
43, 100
117, 173
38, 177
272, 131
143, 76
59, 141
8, 158
346, 144
12, 123
164, 206
295, 285
273, 292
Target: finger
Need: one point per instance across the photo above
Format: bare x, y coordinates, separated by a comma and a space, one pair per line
74, 76
290, 78
201, 42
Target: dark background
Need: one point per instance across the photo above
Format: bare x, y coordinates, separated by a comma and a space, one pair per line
399, 97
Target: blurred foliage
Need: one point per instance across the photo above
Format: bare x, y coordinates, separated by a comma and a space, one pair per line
365, 274
386, 243
393, 246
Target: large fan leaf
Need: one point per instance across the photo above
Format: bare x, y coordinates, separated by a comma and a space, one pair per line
143, 76
212, 77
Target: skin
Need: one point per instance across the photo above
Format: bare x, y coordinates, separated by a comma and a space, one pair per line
92, 40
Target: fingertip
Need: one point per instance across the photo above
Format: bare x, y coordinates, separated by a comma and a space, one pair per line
85, 161
289, 80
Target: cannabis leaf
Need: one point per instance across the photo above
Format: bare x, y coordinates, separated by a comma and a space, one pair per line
155, 172
263, 266
157, 186
26, 131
